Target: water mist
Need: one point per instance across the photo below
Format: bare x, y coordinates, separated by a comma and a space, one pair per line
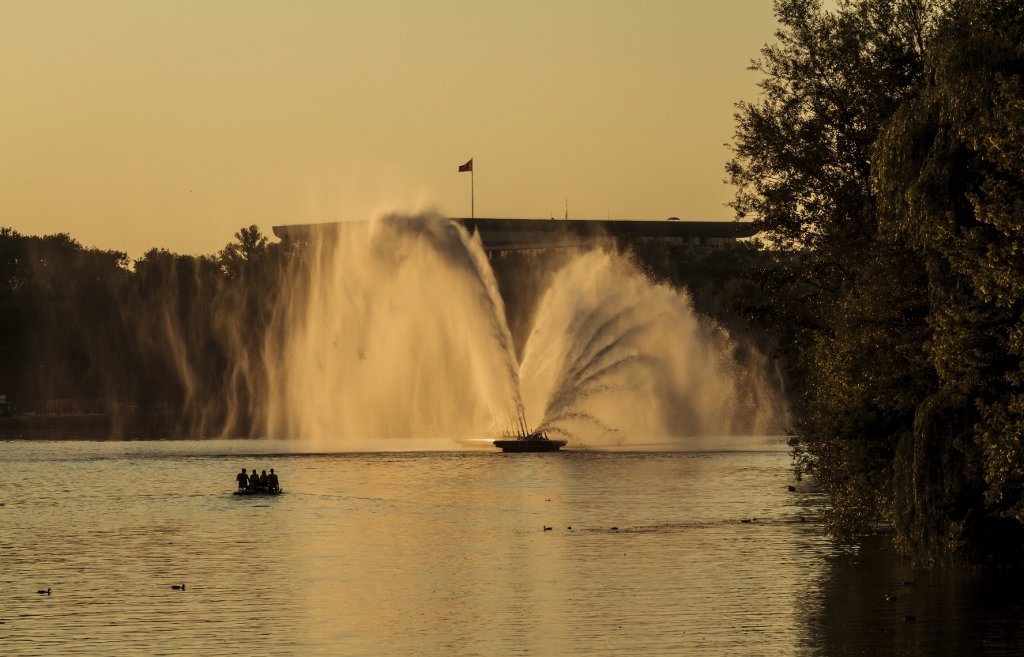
395, 329
390, 330
614, 360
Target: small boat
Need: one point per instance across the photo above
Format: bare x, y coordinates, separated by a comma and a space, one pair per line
254, 491
537, 441
518, 437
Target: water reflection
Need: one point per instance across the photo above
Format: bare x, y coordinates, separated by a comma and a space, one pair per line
446, 553
870, 601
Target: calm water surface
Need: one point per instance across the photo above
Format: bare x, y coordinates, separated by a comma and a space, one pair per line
447, 554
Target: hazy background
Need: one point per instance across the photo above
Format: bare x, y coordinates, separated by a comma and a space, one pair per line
137, 124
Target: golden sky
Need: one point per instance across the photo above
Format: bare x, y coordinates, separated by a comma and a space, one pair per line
138, 123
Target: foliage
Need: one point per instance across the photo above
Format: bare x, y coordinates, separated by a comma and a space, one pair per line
802, 169
951, 177
883, 164
166, 333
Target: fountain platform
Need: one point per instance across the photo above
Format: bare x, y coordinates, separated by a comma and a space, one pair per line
534, 442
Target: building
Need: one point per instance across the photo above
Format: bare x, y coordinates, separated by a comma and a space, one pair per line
505, 235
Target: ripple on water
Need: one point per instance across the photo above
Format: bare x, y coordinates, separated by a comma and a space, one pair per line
427, 553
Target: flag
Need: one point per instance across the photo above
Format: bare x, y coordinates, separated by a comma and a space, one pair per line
468, 166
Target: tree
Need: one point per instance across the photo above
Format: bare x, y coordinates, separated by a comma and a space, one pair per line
850, 303
243, 256
883, 161
950, 174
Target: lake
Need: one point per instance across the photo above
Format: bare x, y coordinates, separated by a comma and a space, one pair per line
448, 553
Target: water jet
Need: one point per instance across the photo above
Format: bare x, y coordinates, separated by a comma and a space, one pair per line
392, 334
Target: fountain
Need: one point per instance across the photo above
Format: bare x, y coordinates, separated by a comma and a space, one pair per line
389, 331
388, 335
395, 329
614, 360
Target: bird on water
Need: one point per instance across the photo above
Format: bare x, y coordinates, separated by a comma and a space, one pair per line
42, 592
178, 587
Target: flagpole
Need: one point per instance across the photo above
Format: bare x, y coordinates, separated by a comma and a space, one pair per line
468, 166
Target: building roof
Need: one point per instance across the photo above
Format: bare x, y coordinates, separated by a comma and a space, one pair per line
617, 227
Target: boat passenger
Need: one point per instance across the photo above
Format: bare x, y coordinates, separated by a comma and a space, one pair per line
242, 479
254, 480
272, 484
263, 480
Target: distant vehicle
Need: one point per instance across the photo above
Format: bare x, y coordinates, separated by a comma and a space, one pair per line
673, 219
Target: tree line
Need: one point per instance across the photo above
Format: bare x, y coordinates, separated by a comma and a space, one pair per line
90, 331
883, 161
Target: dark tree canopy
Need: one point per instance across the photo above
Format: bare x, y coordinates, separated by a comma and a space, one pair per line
88, 331
883, 163
950, 176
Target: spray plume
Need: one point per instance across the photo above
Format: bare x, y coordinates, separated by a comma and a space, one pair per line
370, 335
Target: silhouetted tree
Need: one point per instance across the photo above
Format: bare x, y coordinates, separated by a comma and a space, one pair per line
882, 161
950, 175
848, 304
180, 336
245, 255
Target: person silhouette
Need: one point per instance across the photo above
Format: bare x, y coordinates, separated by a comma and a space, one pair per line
254, 480
272, 483
242, 479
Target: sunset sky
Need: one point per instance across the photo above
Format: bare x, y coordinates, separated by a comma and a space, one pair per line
135, 124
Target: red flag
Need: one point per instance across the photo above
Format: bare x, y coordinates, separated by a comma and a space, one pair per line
468, 166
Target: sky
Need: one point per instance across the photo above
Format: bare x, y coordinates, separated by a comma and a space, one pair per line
132, 125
